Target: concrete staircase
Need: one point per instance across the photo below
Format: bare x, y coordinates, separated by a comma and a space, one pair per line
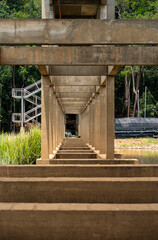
85, 200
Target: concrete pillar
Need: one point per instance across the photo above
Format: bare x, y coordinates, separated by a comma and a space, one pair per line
54, 122
57, 124
110, 116
90, 124
102, 120
81, 125
93, 122
110, 9
107, 117
45, 118
51, 120
86, 125
45, 9
82, 132
97, 122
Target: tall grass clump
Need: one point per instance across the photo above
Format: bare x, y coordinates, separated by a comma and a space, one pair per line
19, 148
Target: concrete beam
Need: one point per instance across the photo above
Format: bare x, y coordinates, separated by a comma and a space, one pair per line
77, 70
73, 89
43, 70
81, 31
76, 10
87, 56
113, 70
74, 95
68, 103
75, 81
73, 99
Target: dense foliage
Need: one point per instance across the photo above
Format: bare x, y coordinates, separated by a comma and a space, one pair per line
15, 76
128, 81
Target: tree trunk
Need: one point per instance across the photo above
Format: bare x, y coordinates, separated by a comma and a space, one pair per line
129, 97
127, 94
137, 88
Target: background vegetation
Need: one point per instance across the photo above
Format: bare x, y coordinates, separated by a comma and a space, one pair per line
20, 148
128, 81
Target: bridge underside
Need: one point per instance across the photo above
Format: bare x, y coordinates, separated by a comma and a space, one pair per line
78, 58
82, 195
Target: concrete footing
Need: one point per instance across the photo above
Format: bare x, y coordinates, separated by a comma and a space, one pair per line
78, 221
86, 197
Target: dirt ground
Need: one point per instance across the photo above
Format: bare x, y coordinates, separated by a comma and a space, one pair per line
141, 143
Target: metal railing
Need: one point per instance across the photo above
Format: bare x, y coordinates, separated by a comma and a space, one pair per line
28, 94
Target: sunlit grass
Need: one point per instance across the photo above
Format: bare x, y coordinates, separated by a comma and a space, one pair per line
20, 148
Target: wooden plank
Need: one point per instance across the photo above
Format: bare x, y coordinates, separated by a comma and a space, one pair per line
80, 32
87, 56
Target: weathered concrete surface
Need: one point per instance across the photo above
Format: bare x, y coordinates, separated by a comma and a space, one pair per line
76, 81
73, 89
113, 70
87, 161
71, 221
78, 10
79, 31
74, 148
74, 95
75, 151
110, 117
79, 190
77, 70
90, 56
45, 118
75, 155
76, 170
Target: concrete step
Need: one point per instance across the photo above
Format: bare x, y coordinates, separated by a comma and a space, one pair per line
79, 171
79, 190
87, 161
75, 151
75, 155
74, 148
78, 221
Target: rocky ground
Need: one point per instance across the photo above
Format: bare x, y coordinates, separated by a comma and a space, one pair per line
141, 143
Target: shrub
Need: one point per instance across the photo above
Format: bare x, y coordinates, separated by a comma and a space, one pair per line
19, 148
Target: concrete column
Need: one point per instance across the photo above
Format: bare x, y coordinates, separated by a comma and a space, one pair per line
57, 124
60, 128
51, 133
107, 109
110, 117
81, 125
102, 120
45, 9
90, 123
54, 121
110, 9
93, 123
45, 118
87, 125
97, 122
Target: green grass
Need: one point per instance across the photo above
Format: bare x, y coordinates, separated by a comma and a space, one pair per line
20, 148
